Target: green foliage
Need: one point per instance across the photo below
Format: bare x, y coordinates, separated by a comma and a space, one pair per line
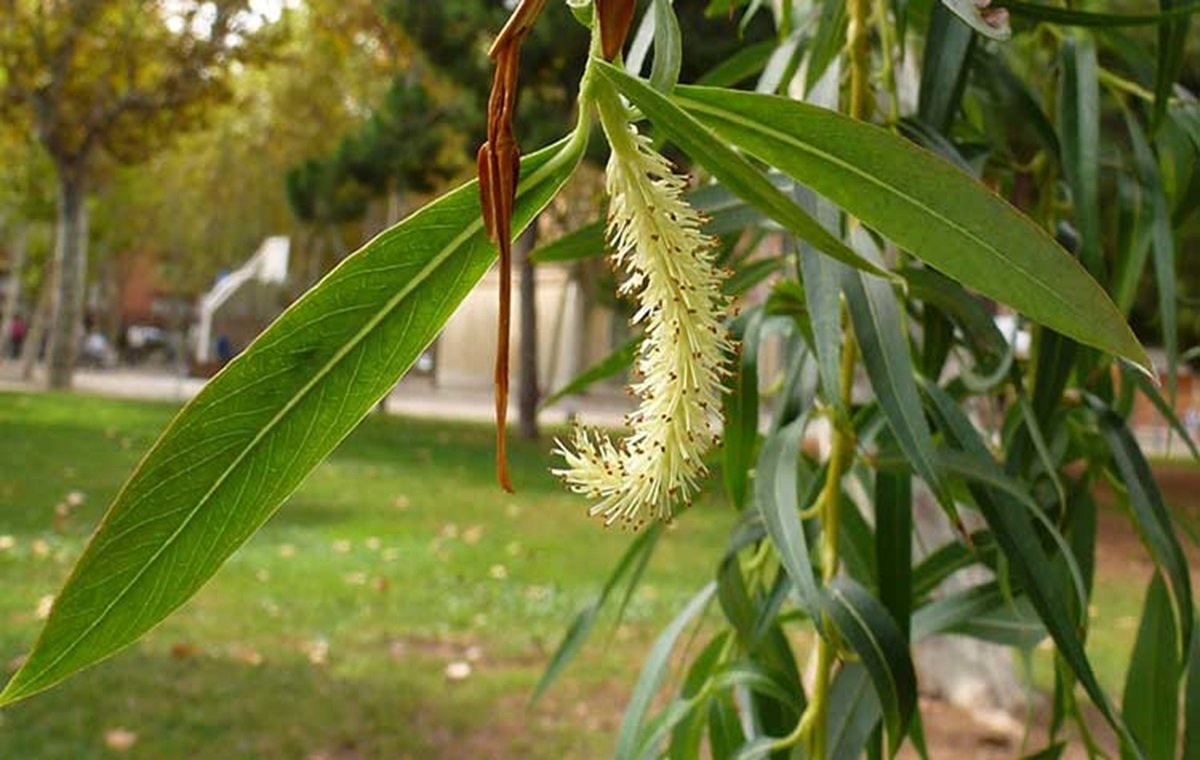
315, 89
1014, 143
187, 514
116, 75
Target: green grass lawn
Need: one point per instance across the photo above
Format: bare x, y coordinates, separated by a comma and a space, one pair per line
331, 630
329, 634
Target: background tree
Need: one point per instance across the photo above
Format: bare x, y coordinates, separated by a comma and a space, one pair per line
211, 196
25, 201
410, 142
1010, 447
453, 38
111, 80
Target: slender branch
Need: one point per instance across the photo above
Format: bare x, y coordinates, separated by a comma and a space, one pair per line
859, 45
888, 70
812, 727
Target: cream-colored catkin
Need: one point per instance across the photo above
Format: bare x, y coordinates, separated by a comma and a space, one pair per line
668, 267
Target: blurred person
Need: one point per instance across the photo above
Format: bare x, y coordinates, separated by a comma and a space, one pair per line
16, 336
224, 349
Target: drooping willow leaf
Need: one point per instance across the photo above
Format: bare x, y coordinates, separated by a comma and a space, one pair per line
921, 203
255, 432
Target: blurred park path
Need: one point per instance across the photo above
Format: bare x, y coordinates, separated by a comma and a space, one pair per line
412, 397
420, 397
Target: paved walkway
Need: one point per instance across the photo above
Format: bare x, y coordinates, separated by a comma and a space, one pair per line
413, 397
418, 397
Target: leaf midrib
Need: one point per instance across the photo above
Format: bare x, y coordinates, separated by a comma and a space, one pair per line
920, 433
841, 597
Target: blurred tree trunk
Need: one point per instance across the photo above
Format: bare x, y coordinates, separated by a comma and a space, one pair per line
70, 261
18, 248
395, 206
37, 324
527, 391
337, 241
314, 244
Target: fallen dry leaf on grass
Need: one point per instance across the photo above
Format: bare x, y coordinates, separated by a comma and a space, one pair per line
120, 739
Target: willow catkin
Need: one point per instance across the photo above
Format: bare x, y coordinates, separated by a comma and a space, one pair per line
668, 268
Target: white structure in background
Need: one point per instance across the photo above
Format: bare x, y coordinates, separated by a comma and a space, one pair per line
1018, 336
569, 338
267, 267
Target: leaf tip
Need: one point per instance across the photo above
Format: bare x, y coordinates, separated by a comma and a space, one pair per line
1141, 362
13, 691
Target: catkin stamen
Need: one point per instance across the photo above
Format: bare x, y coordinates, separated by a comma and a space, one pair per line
668, 266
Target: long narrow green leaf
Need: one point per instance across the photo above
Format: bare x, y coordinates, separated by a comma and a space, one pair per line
822, 291
827, 43
854, 712
1014, 533
775, 714
654, 671
734, 597
649, 739
925, 206
930, 139
1162, 245
982, 469
688, 734
983, 612
1186, 117
949, 559
768, 615
759, 680
937, 339
668, 47
742, 65
1033, 429
1023, 108
900, 13
1079, 126
747, 275
1191, 705
856, 544
949, 612
879, 327
778, 497
731, 170
1072, 17
948, 45
1151, 702
741, 415
635, 576
780, 68
1150, 517
636, 556
725, 732
1135, 227
583, 243
800, 383
610, 366
1172, 45
865, 625
250, 438
986, 342
1012, 624
893, 544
